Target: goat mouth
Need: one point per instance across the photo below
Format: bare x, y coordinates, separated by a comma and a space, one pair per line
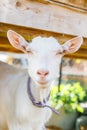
42, 83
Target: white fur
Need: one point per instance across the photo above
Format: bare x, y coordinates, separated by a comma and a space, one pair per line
16, 109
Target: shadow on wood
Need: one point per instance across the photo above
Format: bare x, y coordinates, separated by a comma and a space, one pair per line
53, 128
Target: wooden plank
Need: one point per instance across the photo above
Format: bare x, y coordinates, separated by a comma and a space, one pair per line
44, 16
75, 3
30, 33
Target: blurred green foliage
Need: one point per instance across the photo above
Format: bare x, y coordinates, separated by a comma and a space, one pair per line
69, 96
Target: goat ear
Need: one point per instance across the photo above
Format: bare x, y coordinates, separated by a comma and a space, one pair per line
72, 45
17, 40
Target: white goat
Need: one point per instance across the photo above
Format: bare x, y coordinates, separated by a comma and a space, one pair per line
17, 112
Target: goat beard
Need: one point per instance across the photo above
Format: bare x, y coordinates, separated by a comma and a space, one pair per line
44, 93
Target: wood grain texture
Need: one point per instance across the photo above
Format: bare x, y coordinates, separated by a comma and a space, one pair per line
51, 17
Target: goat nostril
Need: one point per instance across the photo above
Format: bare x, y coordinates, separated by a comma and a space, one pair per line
43, 73
46, 73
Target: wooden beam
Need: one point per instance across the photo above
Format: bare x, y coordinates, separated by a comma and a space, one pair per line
51, 17
77, 5
30, 33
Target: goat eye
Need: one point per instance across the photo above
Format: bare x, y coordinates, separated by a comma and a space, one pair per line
29, 52
58, 53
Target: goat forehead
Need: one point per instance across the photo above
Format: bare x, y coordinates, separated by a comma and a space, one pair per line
47, 44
